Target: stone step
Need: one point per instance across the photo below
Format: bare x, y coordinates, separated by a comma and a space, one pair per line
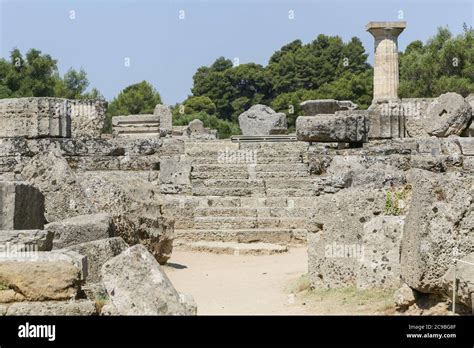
227, 187
284, 183
265, 235
241, 222
261, 159
225, 211
231, 248
291, 192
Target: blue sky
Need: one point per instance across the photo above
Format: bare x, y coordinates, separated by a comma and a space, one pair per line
167, 50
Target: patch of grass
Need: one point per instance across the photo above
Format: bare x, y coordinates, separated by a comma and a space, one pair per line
299, 285
350, 300
101, 300
4, 287
395, 201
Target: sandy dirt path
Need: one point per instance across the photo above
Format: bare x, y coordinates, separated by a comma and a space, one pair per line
244, 284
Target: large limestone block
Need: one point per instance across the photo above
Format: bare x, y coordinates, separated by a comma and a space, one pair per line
449, 114
41, 280
62, 308
87, 118
80, 229
35, 117
262, 120
133, 202
25, 240
380, 266
336, 250
175, 175
64, 196
99, 252
332, 128
439, 223
137, 285
21, 206
326, 106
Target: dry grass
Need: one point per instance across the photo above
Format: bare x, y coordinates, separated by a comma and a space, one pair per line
347, 301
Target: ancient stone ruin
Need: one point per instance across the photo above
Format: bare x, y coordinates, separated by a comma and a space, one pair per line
383, 198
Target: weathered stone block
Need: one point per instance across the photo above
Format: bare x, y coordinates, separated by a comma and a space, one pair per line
35, 117
136, 126
61, 308
80, 229
41, 281
262, 120
165, 117
380, 266
386, 120
440, 221
25, 240
175, 175
332, 128
99, 252
326, 106
87, 118
136, 285
21, 206
449, 114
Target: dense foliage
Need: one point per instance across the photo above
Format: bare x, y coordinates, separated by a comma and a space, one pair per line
327, 67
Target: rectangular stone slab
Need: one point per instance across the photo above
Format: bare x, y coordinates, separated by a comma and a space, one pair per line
332, 128
21, 206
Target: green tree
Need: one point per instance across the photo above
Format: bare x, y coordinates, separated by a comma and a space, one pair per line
199, 104
139, 98
444, 64
73, 85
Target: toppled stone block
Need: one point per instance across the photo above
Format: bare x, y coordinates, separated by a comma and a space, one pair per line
99, 252
449, 114
380, 266
62, 308
326, 106
332, 128
439, 221
35, 117
262, 120
175, 175
137, 285
80, 229
134, 126
165, 117
87, 118
21, 206
25, 240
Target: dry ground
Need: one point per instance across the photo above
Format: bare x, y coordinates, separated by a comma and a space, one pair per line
265, 284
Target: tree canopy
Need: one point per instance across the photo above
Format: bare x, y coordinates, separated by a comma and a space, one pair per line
36, 75
444, 64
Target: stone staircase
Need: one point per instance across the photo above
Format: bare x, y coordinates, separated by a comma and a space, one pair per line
248, 198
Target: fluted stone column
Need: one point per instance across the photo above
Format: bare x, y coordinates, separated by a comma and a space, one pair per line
386, 59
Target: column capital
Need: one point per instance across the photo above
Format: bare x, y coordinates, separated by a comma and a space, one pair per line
385, 29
